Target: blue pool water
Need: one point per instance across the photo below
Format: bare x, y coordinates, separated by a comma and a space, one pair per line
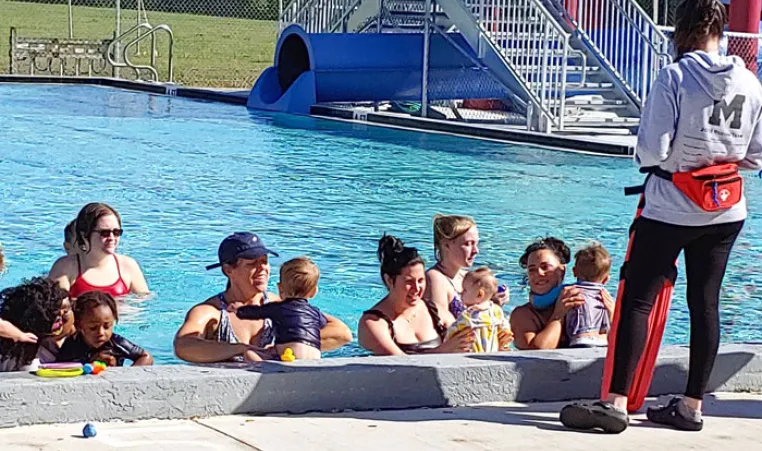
183, 174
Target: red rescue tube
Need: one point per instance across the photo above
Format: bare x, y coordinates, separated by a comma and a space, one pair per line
656, 322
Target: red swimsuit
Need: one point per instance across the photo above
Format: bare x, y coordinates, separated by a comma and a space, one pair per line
80, 285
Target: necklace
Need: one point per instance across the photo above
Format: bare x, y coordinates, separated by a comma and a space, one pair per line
412, 317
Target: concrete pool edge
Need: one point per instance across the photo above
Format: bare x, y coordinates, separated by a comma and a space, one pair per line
327, 112
358, 383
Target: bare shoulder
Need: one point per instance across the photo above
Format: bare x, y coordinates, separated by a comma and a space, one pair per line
521, 315
66, 265
209, 309
272, 297
434, 275
128, 262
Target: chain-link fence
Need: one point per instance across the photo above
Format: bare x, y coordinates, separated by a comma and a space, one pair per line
218, 43
662, 12
748, 46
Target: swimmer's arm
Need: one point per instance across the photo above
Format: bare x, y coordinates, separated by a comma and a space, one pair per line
373, 335
438, 291
59, 273
138, 355
608, 303
138, 284
526, 335
657, 124
191, 346
334, 334
144, 360
11, 332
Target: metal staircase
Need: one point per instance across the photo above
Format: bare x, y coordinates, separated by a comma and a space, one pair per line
577, 72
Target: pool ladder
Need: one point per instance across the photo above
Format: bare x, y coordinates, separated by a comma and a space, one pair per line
148, 31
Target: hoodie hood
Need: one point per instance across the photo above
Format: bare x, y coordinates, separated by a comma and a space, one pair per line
713, 72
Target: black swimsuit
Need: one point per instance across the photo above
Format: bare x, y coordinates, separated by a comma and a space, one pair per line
411, 348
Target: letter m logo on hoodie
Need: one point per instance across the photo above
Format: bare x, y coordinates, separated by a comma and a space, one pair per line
733, 109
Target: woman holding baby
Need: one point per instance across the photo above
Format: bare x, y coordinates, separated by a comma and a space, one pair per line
545, 321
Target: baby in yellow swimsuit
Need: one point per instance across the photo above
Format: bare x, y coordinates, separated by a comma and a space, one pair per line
485, 318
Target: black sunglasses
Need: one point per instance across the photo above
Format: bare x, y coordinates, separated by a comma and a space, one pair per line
107, 232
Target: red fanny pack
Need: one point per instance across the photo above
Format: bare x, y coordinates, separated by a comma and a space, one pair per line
712, 188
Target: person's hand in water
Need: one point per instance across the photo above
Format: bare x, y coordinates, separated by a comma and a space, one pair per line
504, 339
502, 296
460, 342
569, 298
609, 303
105, 357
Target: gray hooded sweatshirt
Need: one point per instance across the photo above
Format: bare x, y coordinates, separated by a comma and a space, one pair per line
703, 110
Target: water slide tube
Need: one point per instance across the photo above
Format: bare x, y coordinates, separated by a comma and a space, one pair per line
349, 67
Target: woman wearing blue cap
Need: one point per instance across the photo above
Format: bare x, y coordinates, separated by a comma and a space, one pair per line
211, 334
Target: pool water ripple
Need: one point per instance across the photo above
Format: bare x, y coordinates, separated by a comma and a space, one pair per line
183, 174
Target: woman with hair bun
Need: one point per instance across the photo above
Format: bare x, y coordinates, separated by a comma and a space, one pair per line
403, 322
539, 324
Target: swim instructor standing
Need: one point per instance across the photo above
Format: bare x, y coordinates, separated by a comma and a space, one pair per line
701, 123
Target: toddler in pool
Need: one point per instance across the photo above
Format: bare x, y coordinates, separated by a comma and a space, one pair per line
296, 323
587, 326
485, 318
95, 315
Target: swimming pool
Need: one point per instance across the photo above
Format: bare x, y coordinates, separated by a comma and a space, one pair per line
183, 174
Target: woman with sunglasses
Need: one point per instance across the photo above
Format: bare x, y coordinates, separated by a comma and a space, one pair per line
97, 266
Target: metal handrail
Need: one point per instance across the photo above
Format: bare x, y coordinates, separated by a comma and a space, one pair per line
152, 67
538, 75
315, 16
623, 19
119, 39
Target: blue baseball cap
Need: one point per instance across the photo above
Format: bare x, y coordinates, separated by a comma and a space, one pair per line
240, 245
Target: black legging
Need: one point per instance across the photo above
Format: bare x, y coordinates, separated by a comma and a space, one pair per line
655, 247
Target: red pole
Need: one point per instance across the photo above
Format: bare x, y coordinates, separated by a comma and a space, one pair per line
744, 18
571, 8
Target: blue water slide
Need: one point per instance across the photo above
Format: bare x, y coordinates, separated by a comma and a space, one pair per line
350, 67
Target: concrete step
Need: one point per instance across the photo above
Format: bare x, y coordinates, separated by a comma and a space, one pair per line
570, 70
594, 121
592, 87
595, 104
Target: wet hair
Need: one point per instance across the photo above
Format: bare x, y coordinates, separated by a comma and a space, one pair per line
483, 278
91, 300
70, 233
395, 256
592, 263
449, 227
698, 20
558, 247
87, 219
33, 307
2, 261
298, 277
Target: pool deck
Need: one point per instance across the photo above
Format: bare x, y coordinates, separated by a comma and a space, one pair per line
338, 384
731, 421
607, 142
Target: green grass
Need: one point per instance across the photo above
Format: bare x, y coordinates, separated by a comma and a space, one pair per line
209, 51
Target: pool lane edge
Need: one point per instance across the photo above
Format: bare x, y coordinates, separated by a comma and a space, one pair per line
551, 141
336, 384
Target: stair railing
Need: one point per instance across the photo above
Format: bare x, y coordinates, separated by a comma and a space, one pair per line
316, 16
537, 51
627, 42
